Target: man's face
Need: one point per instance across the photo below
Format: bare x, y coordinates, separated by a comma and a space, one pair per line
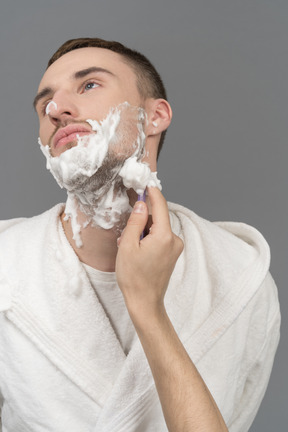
83, 84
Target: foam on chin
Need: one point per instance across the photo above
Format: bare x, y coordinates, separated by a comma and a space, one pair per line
99, 170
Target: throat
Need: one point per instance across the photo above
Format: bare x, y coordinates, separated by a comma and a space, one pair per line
99, 248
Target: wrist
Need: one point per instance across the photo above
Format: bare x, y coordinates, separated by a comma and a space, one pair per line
148, 318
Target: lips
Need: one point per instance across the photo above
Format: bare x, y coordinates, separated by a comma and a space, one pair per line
69, 133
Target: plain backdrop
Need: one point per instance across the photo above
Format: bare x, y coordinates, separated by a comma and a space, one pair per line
225, 66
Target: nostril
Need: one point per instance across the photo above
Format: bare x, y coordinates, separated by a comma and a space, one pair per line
54, 120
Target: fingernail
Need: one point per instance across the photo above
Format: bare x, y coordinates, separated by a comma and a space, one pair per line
139, 207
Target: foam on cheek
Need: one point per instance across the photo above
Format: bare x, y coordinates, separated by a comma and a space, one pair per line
137, 175
98, 171
84, 160
48, 107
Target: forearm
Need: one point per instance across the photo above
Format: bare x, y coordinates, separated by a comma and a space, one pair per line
143, 271
186, 402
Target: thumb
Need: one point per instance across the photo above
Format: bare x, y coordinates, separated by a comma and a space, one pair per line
136, 223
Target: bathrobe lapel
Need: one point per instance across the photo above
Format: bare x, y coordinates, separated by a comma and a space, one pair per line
58, 310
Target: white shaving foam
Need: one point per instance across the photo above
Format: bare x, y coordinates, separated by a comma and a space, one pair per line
48, 107
98, 171
137, 175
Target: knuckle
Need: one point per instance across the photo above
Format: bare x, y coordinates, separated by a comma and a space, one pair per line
178, 245
167, 239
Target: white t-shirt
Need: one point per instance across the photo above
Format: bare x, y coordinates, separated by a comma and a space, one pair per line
112, 300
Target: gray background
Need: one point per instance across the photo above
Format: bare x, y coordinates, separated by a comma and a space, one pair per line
225, 65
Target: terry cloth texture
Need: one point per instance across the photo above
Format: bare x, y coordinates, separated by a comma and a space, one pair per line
62, 367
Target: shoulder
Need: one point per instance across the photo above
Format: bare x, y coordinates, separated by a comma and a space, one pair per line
24, 230
21, 241
5, 224
231, 260
230, 241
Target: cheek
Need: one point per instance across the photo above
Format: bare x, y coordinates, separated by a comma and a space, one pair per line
131, 93
43, 133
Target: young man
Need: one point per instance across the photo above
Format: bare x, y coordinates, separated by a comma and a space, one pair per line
106, 332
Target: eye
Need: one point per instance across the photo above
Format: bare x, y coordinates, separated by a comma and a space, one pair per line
90, 85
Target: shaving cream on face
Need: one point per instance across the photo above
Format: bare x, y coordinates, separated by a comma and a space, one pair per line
49, 106
137, 175
98, 171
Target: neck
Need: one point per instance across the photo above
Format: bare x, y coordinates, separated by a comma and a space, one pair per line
99, 246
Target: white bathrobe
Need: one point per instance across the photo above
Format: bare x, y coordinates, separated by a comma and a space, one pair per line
62, 367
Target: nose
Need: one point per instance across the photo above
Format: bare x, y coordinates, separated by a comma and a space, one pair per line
61, 108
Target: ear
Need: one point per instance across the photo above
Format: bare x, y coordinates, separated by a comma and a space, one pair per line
159, 116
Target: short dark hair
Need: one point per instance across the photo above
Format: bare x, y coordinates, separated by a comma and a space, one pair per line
149, 82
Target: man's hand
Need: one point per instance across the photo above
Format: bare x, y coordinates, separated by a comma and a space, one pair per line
143, 268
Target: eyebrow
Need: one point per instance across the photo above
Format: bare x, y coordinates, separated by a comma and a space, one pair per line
46, 91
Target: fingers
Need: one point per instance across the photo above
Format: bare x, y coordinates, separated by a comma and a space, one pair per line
161, 222
136, 224
139, 217
159, 208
